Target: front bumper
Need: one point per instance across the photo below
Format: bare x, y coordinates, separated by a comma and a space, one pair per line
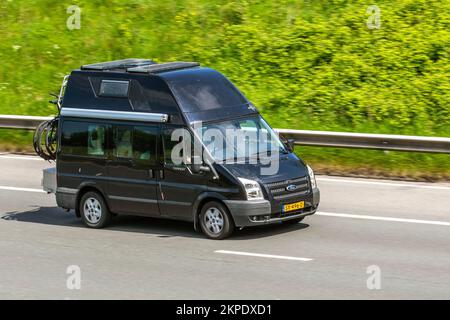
253, 213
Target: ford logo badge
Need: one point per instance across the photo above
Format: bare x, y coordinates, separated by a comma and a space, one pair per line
291, 187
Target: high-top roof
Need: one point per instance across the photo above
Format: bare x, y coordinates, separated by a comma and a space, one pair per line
184, 91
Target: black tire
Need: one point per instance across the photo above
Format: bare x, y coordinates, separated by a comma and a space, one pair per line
294, 221
219, 212
94, 214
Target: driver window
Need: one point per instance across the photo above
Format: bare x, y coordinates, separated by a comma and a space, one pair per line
174, 148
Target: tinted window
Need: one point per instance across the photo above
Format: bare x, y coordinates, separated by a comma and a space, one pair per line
96, 140
144, 143
205, 91
152, 95
123, 139
137, 143
114, 88
172, 137
83, 139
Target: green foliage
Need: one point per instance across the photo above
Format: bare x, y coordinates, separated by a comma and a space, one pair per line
306, 64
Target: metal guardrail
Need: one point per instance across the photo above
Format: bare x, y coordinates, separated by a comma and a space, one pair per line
21, 122
368, 141
306, 137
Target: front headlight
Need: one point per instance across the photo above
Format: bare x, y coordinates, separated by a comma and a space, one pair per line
252, 189
312, 177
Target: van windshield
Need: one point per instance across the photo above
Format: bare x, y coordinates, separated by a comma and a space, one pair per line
241, 138
206, 90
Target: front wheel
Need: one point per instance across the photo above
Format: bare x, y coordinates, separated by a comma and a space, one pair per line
216, 221
93, 209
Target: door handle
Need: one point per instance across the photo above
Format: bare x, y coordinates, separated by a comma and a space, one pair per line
151, 173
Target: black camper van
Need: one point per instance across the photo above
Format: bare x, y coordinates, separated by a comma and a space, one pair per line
116, 150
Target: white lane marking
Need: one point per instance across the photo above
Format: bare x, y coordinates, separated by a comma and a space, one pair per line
319, 213
2, 156
260, 255
21, 189
391, 184
356, 216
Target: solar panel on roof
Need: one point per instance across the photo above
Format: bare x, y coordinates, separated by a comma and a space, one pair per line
118, 64
160, 67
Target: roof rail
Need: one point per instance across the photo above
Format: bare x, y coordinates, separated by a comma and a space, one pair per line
161, 67
118, 64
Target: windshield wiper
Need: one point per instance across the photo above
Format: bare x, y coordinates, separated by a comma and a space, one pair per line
268, 154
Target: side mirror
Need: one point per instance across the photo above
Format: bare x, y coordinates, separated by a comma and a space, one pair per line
290, 144
197, 165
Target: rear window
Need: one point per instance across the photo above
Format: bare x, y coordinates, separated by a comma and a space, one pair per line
206, 91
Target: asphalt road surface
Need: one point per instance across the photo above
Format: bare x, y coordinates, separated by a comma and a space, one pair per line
399, 231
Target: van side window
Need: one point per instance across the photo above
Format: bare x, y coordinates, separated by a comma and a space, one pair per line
144, 144
137, 143
169, 145
96, 140
83, 139
122, 137
114, 88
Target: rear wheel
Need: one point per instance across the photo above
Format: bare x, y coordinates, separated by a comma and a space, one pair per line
93, 210
216, 221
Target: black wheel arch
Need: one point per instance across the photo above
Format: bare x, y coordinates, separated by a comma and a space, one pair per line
86, 187
201, 200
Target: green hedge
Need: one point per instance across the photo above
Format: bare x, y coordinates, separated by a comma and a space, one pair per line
305, 64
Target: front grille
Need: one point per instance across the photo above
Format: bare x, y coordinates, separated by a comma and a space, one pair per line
279, 192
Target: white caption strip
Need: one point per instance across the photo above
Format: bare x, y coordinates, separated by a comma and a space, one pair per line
381, 183
33, 158
21, 189
357, 216
261, 255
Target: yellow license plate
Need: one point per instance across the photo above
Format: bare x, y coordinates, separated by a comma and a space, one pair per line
293, 206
